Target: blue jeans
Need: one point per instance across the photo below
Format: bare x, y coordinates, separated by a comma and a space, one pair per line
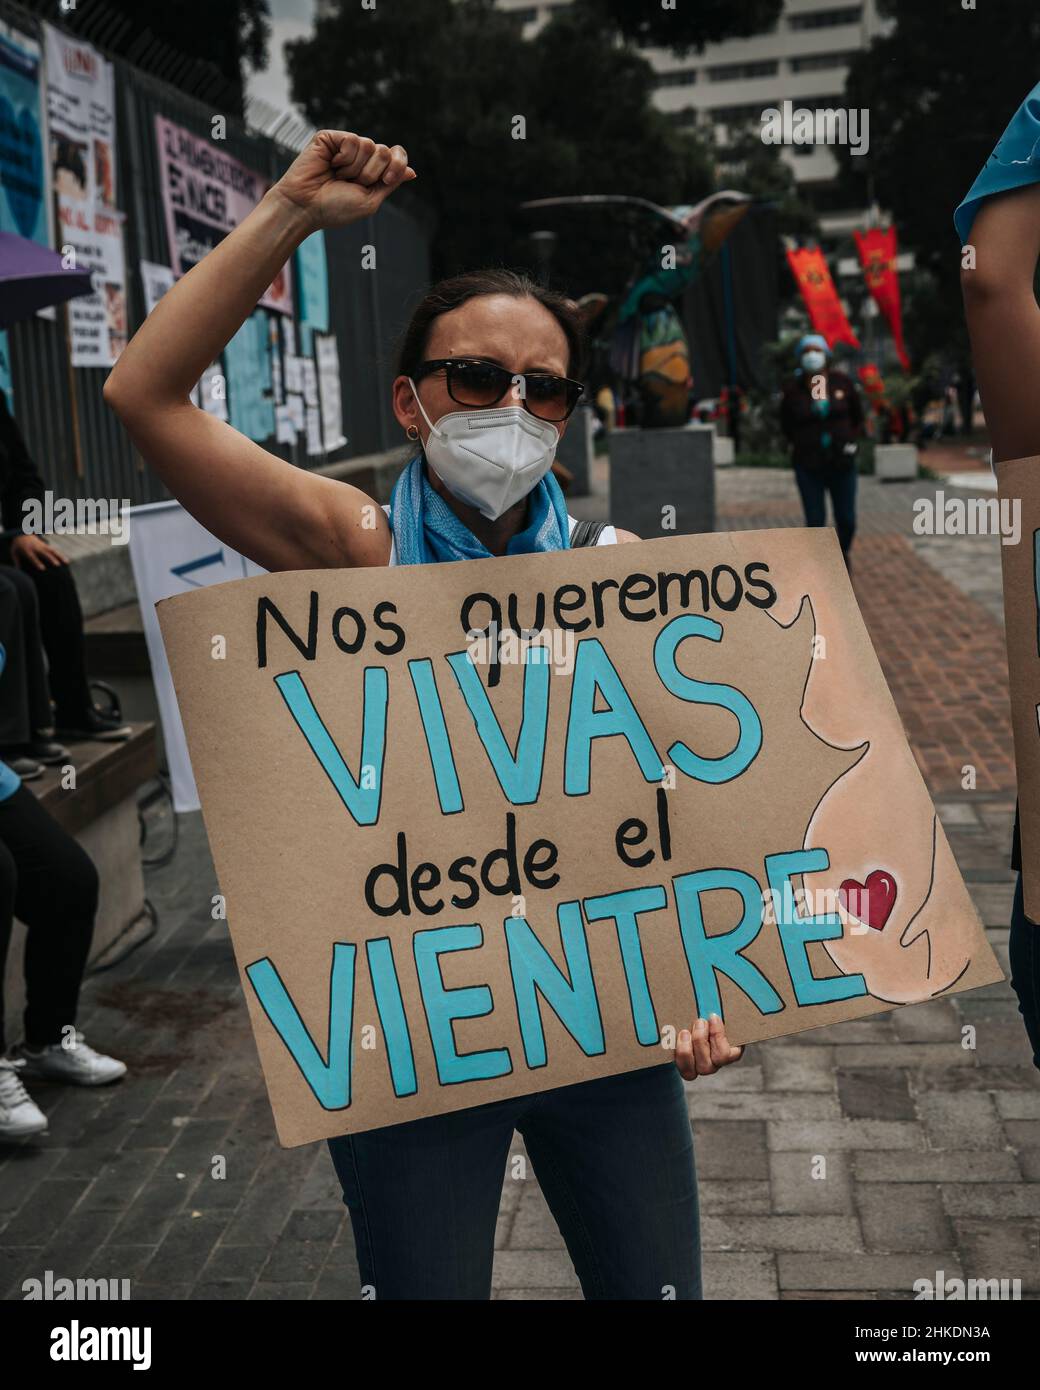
613, 1157
814, 486
1024, 951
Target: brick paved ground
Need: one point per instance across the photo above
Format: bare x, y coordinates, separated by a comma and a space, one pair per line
933, 1152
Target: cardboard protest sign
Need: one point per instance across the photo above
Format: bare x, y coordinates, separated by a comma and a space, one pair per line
1018, 483
506, 825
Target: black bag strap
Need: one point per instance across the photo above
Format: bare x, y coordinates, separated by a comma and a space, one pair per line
586, 533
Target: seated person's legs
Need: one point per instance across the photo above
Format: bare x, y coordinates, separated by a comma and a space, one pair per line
56, 897
19, 1116
24, 701
61, 630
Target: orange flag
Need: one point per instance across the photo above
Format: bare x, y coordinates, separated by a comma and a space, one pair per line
821, 297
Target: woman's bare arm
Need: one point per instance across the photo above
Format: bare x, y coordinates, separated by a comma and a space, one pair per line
1004, 319
280, 516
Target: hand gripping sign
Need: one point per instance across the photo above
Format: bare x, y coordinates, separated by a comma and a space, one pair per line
493, 827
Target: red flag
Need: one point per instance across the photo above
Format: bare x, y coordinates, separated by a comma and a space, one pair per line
872, 382
877, 254
821, 298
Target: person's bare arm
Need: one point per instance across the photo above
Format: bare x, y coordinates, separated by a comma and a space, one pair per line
280, 516
1004, 319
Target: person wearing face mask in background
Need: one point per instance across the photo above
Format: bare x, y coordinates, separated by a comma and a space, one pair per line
822, 418
488, 375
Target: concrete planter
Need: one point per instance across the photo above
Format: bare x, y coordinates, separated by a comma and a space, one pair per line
662, 482
725, 453
722, 450
895, 462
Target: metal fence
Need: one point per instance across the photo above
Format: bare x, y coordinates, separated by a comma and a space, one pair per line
83, 452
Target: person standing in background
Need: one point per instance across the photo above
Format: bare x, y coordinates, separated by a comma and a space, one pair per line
822, 418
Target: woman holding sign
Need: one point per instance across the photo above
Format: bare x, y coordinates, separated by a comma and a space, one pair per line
488, 378
998, 224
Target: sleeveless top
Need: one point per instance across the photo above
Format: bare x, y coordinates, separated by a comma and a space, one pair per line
608, 536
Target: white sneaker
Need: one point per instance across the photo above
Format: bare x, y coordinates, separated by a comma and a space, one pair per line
77, 1065
19, 1114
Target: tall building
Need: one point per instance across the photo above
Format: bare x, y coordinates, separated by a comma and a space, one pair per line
803, 58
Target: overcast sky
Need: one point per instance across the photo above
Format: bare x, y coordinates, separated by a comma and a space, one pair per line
290, 19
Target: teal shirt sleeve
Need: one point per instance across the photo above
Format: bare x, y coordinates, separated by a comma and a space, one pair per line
9, 780
1015, 162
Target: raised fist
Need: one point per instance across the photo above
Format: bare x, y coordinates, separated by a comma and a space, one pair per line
342, 177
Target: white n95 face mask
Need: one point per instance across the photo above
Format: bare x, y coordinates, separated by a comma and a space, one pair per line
490, 459
813, 360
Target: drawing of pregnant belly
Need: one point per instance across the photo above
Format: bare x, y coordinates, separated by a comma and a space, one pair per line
898, 900
892, 876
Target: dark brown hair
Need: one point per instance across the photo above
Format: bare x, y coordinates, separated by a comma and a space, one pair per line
449, 294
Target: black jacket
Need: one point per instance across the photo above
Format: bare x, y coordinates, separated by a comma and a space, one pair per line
817, 441
20, 479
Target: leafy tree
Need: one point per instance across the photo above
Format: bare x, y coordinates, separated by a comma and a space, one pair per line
752, 167
685, 24
457, 85
939, 90
223, 36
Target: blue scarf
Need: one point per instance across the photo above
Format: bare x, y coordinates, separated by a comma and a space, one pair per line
426, 529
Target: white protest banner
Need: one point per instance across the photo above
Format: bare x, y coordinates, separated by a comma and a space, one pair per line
170, 553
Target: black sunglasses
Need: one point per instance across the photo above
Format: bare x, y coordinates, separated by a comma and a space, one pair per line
476, 383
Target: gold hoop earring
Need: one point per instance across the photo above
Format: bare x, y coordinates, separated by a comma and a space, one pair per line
409, 432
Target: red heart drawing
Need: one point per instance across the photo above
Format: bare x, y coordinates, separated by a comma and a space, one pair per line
871, 902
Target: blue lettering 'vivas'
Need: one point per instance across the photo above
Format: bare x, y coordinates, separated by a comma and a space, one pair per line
519, 769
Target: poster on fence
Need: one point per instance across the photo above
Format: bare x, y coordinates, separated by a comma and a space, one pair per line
81, 117
206, 193
155, 281
327, 366
247, 366
1018, 482
505, 825
312, 289
23, 171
